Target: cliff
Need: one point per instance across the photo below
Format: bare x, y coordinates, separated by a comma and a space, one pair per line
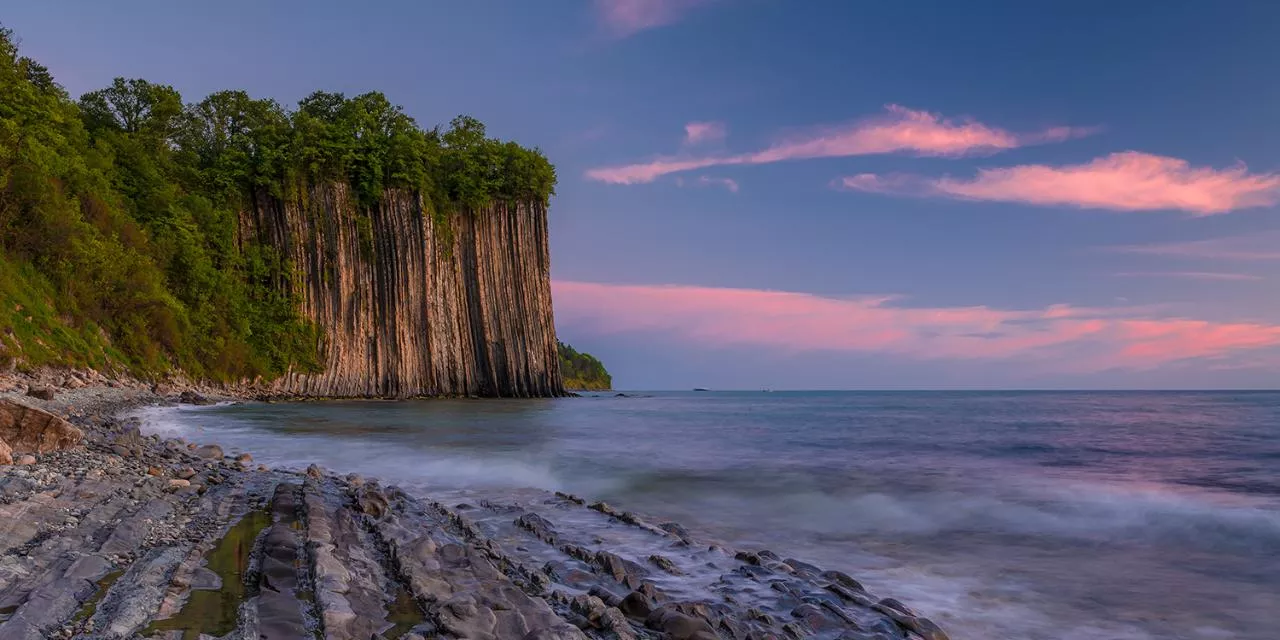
412, 304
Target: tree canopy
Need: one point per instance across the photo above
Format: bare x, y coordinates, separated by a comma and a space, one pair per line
582, 370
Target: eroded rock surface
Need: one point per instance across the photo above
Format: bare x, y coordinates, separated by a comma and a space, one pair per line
168, 543
27, 429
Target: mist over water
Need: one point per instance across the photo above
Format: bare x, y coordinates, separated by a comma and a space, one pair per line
1078, 515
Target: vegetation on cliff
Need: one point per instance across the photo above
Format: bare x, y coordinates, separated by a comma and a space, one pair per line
119, 241
582, 370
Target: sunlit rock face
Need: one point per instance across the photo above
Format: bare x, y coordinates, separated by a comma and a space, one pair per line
412, 304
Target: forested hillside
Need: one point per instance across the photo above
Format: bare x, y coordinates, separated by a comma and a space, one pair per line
120, 243
582, 370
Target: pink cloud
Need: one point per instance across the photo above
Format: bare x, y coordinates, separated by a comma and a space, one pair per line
1059, 337
1190, 275
1260, 246
899, 130
700, 132
1127, 181
626, 17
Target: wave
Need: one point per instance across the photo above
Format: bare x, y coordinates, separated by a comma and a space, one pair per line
386, 460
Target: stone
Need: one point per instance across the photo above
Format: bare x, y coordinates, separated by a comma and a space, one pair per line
41, 393
679, 626
210, 452
178, 483
244, 458
186, 473
636, 605
314, 471
6, 453
27, 460
154, 471
191, 397
665, 564
32, 430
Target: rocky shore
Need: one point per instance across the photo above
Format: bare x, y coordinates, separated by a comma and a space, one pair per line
124, 535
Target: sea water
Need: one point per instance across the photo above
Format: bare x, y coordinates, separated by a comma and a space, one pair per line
1028, 515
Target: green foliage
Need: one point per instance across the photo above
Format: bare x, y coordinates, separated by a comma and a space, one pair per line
582, 370
119, 214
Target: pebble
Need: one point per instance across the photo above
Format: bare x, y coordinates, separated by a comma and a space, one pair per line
25, 460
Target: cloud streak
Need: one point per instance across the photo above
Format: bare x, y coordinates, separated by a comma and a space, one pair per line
1256, 247
898, 130
702, 132
1189, 275
1062, 338
709, 181
1126, 181
623, 18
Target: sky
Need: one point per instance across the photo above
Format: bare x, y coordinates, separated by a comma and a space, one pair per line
823, 194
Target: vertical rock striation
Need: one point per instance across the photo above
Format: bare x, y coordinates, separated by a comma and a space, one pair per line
415, 305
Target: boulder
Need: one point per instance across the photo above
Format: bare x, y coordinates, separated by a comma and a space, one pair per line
32, 430
191, 397
210, 452
41, 393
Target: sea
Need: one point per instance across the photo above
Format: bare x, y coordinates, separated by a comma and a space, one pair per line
1023, 515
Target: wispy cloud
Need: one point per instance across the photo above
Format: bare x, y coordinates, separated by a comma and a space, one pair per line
1189, 275
899, 130
700, 132
1061, 338
1127, 181
1261, 246
623, 18
709, 181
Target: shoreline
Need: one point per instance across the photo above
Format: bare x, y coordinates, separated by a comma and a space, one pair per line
128, 534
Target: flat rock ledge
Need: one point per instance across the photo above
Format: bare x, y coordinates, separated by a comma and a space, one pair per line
131, 536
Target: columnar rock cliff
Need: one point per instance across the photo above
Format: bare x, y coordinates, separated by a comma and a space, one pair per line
413, 305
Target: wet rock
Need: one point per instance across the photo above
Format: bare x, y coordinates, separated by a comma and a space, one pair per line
570, 497
244, 458
210, 452
925, 628
894, 605
665, 564
41, 393
679, 626
614, 620
538, 526
671, 527
636, 605
32, 430
191, 397
372, 502
314, 471
839, 578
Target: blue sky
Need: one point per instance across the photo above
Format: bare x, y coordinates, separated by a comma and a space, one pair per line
988, 235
